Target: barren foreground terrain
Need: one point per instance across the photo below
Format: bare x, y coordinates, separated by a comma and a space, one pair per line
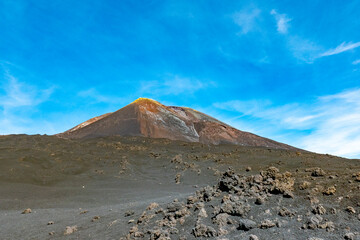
141, 188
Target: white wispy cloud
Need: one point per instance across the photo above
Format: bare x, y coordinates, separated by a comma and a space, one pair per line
343, 47
329, 124
18, 101
246, 19
301, 47
18, 94
305, 49
173, 85
282, 21
356, 62
308, 51
94, 96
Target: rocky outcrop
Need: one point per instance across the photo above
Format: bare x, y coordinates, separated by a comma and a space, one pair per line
230, 210
226, 204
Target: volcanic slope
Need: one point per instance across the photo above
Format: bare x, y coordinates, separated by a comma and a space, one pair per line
149, 118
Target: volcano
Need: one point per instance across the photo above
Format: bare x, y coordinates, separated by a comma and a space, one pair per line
149, 118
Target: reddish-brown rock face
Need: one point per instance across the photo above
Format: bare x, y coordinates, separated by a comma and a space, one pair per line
149, 118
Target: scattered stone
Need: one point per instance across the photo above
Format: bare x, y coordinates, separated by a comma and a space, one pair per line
350, 210
349, 236
206, 194
159, 234
234, 208
288, 194
246, 224
270, 172
253, 237
319, 210
199, 206
181, 220
177, 178
27, 211
267, 212
330, 191
50, 223
357, 176
129, 213
259, 201
98, 172
191, 200
70, 229
227, 183
152, 206
222, 219
112, 223
159, 210
258, 179
201, 230
318, 172
133, 229
330, 226
279, 183
313, 199
333, 211
177, 159
154, 155
202, 213
145, 217
139, 234
174, 206
51, 233
267, 224
248, 169
131, 221
84, 211
222, 231
304, 185
284, 212
173, 231
184, 212
313, 222
94, 219
317, 189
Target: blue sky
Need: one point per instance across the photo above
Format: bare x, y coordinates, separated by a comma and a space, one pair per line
286, 70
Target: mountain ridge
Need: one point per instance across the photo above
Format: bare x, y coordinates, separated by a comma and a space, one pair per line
149, 118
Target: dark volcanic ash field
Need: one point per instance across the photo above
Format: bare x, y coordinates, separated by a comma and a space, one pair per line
141, 188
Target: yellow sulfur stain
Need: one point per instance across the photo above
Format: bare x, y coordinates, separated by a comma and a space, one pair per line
145, 100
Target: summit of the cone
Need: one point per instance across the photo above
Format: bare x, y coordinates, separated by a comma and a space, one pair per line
142, 100
147, 104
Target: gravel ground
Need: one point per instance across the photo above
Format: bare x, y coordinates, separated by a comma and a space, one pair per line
100, 188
